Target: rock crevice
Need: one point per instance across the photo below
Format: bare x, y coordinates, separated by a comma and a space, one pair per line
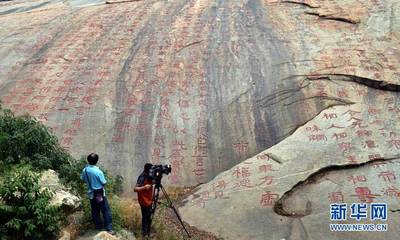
280, 207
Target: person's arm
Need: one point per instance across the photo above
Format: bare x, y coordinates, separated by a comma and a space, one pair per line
139, 185
145, 187
102, 178
83, 178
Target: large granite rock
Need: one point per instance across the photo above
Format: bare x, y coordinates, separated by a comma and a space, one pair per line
202, 85
61, 196
347, 52
205, 85
103, 235
285, 191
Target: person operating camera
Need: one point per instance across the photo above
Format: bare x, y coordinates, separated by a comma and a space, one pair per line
144, 188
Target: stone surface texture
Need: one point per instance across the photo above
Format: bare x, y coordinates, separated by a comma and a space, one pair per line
61, 196
279, 107
65, 235
346, 55
103, 235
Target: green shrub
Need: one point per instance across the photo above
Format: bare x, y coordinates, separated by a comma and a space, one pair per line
25, 212
70, 175
116, 185
24, 139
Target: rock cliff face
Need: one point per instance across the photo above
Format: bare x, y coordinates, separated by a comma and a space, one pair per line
202, 85
345, 58
205, 85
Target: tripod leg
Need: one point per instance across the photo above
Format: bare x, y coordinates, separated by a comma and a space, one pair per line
171, 205
156, 192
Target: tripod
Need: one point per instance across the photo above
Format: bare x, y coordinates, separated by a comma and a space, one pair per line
156, 192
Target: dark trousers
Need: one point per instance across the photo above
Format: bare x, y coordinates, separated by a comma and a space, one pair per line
146, 220
105, 210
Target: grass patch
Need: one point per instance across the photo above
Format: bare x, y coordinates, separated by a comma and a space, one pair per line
131, 217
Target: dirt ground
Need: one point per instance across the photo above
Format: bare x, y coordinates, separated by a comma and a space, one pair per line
170, 221
166, 225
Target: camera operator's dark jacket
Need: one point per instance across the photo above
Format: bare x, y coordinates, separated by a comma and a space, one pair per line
145, 197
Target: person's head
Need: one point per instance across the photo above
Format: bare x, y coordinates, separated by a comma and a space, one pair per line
92, 158
147, 167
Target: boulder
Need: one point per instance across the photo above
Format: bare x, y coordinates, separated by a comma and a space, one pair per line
103, 235
65, 235
77, 218
66, 200
286, 191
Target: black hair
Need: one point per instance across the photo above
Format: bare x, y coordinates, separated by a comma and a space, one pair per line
147, 167
92, 158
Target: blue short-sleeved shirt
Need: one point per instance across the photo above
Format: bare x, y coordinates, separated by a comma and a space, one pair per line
96, 178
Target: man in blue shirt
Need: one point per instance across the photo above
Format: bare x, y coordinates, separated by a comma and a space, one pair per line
95, 180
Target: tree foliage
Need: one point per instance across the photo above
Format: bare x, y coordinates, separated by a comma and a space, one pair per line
25, 212
25, 140
29, 146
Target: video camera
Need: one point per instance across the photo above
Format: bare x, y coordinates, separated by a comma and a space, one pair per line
156, 172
